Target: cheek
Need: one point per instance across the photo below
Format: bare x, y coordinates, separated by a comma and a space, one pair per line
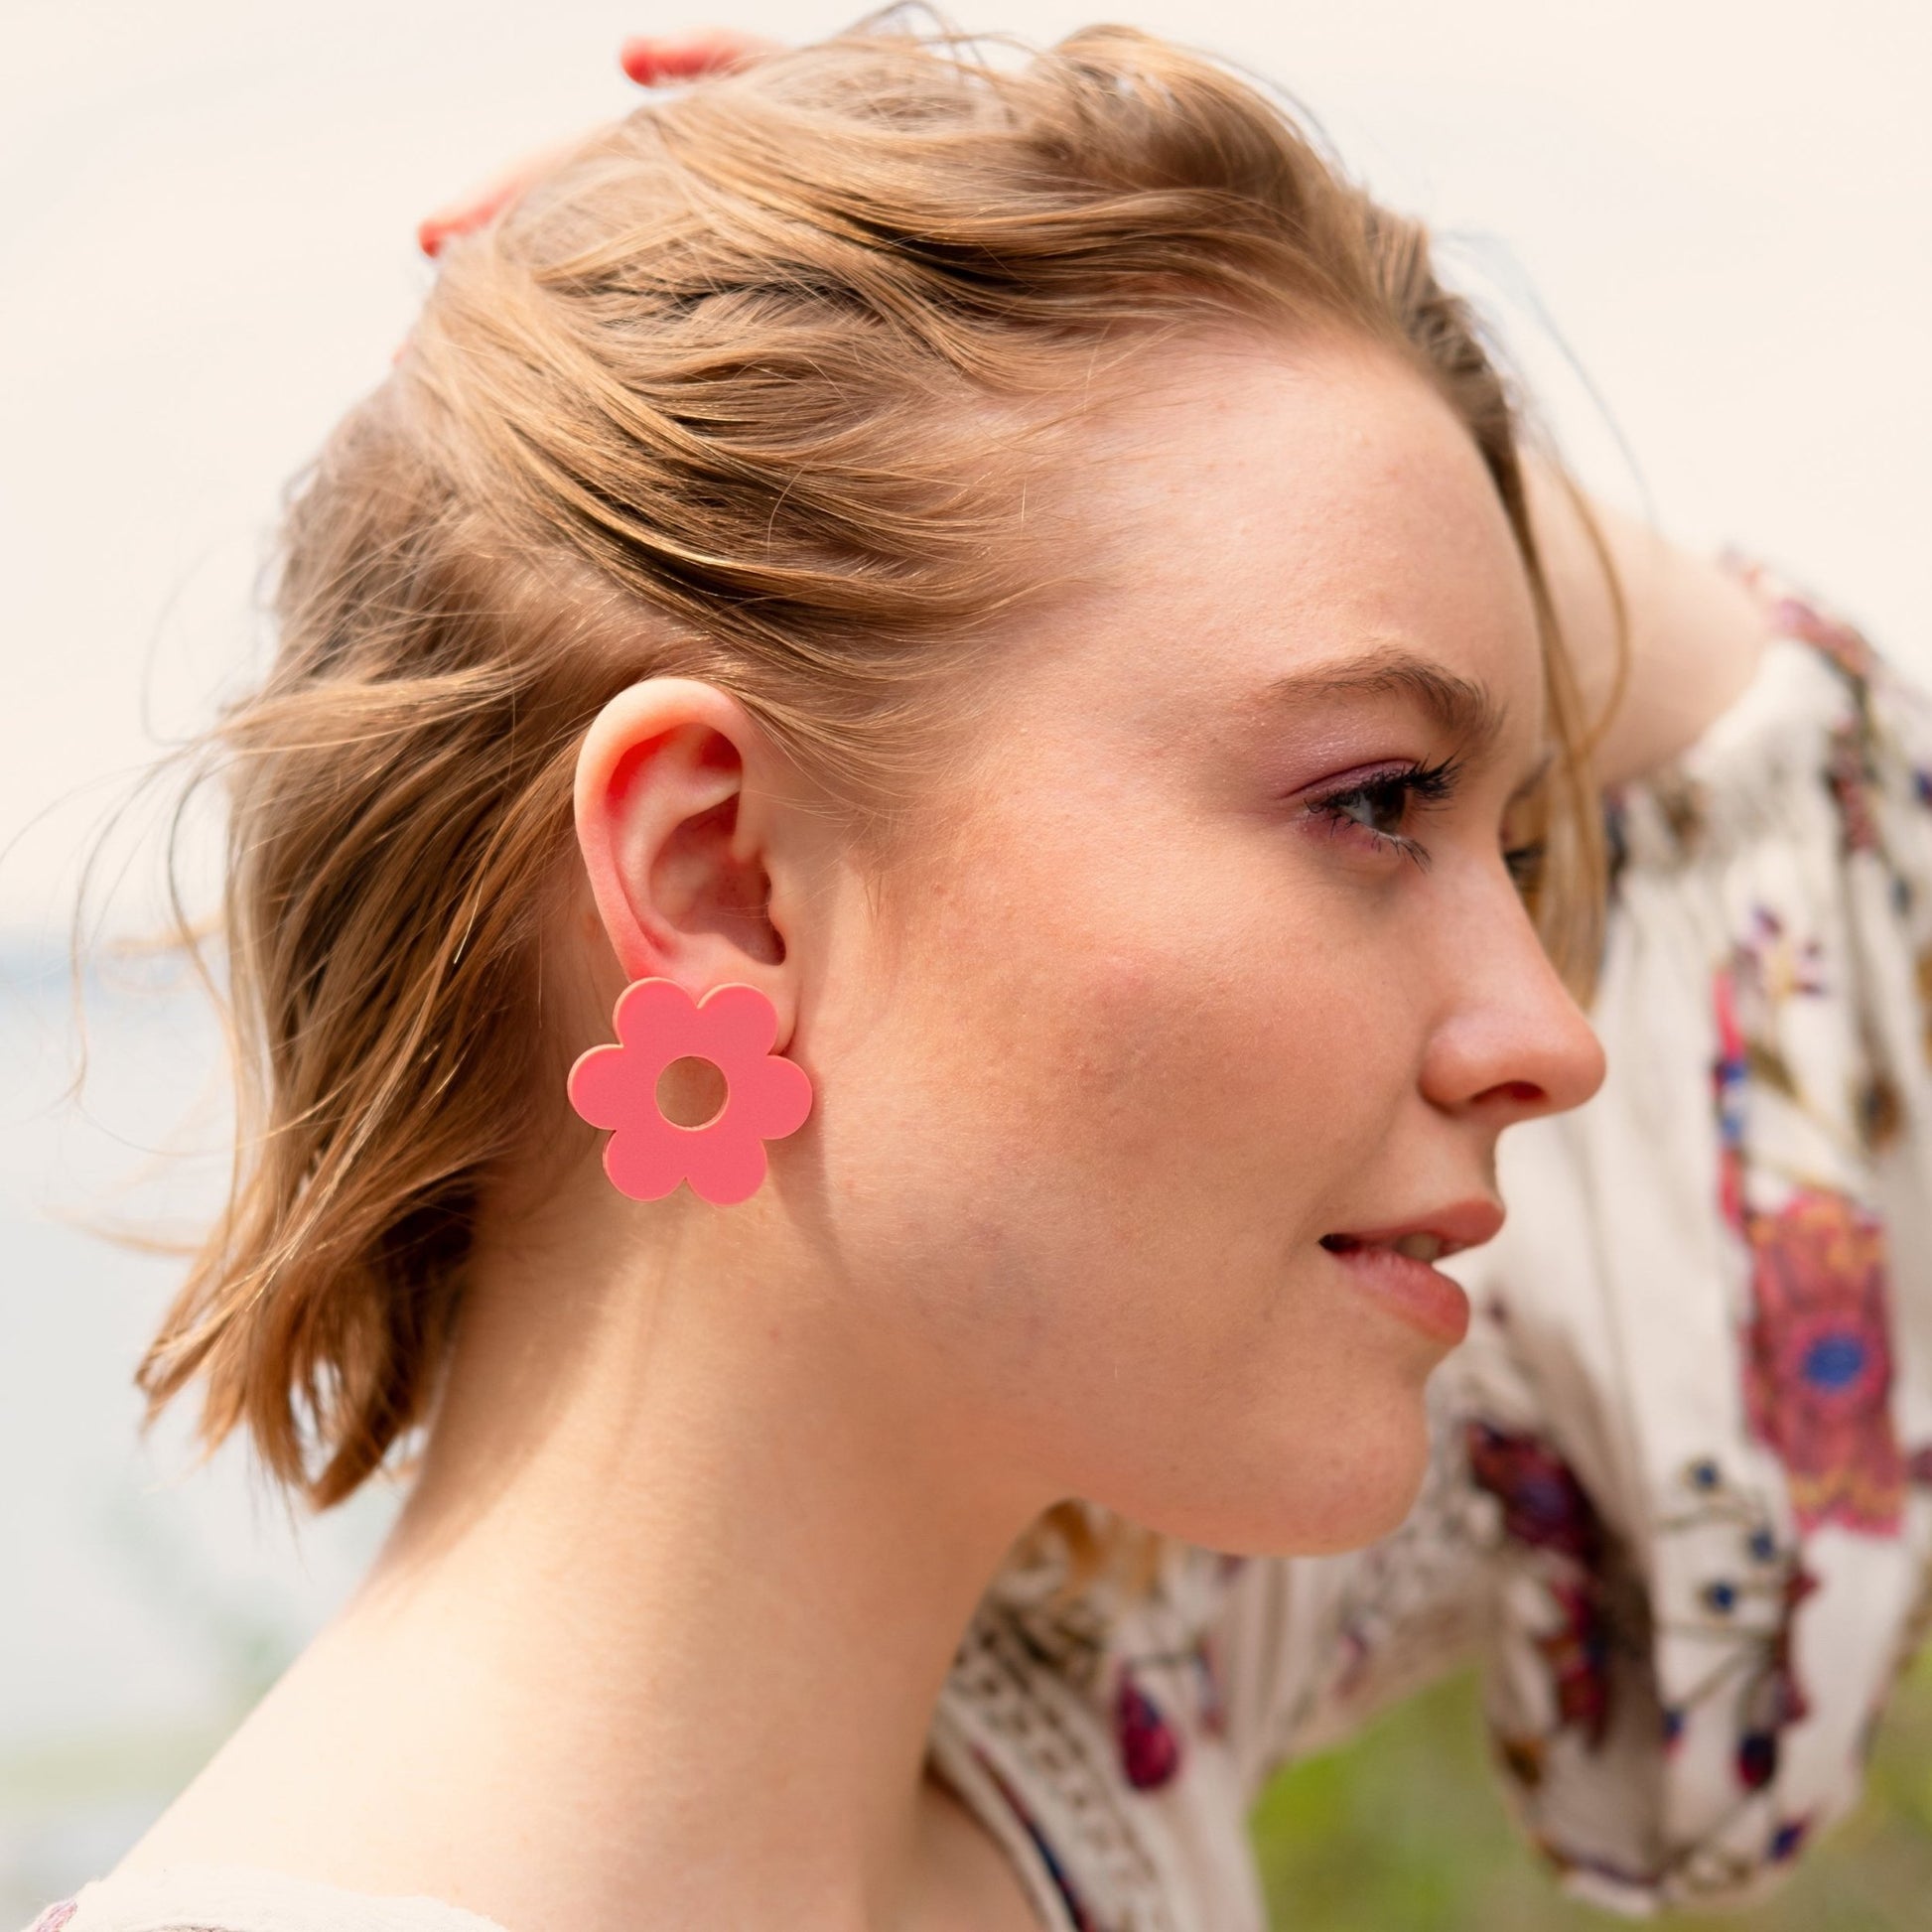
1092, 1137
1270, 1052
1127, 1071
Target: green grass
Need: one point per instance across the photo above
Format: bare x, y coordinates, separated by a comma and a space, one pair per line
1404, 1831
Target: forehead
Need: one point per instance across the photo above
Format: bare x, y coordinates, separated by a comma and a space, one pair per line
1278, 523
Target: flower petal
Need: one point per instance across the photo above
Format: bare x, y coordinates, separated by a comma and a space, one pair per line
737, 1025
654, 1014
725, 1165
775, 1095
600, 1086
646, 1156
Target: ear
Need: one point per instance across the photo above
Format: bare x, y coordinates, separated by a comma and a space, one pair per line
678, 810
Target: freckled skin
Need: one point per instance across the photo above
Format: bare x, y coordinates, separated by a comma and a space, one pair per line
1159, 1032
1137, 1026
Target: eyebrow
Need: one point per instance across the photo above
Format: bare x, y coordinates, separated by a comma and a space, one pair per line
1461, 706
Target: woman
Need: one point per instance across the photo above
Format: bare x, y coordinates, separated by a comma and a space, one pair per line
1692, 1591
1021, 577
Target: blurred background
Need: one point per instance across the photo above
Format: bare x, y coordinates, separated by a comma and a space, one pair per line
1702, 227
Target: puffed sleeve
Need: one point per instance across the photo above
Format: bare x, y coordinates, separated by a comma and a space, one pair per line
1680, 1503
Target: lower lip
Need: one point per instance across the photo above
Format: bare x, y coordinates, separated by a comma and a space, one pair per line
1422, 1296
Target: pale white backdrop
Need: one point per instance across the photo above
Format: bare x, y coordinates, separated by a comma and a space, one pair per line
1721, 204
1717, 209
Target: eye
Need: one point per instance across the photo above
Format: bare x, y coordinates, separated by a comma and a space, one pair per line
1375, 809
1525, 863
1525, 844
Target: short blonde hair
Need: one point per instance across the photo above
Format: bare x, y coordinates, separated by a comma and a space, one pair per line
737, 392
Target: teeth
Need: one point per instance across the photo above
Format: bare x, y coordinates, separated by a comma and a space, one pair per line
1417, 1247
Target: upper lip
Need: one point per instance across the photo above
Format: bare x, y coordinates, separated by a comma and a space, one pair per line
1461, 1225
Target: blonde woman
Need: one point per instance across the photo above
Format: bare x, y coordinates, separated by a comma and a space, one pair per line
997, 608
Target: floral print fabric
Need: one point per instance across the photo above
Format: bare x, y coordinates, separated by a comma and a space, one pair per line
1713, 1314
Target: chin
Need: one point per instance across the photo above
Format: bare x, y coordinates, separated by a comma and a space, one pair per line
1312, 1502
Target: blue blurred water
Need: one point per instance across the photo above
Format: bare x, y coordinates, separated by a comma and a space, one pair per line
146, 1602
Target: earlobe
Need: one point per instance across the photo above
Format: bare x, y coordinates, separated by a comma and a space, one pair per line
675, 859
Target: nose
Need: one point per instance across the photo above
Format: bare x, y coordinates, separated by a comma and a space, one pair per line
1512, 1044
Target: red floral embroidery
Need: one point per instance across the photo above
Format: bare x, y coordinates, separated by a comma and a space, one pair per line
1794, 615
1150, 1751
1846, 646
1818, 1362
1546, 1508
1847, 771
1576, 1654
1543, 1504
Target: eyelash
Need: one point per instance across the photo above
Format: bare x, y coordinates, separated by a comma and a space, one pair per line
1391, 793
1399, 792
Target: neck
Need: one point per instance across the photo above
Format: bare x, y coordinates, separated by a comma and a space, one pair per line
668, 1610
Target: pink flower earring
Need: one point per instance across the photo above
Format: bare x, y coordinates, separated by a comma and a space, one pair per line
766, 1095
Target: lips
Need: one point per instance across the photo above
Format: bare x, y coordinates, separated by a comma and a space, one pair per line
1428, 1237
1395, 1264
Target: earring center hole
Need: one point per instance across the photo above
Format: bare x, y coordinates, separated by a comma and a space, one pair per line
691, 1091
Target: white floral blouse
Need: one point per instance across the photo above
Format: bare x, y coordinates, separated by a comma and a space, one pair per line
1681, 1501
